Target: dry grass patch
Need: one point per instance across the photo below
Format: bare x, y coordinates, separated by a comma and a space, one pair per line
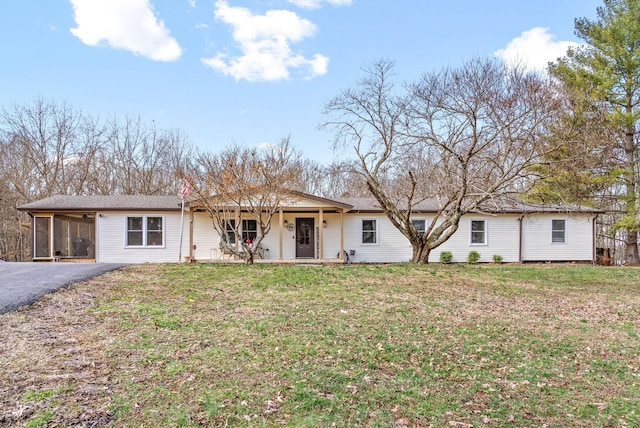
395, 345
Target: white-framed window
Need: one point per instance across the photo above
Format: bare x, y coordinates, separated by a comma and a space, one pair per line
369, 231
478, 232
145, 231
249, 230
230, 228
419, 224
558, 231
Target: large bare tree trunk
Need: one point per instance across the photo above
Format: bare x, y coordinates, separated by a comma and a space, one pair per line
421, 254
457, 141
631, 241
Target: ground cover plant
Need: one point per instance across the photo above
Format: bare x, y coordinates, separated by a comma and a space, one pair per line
355, 345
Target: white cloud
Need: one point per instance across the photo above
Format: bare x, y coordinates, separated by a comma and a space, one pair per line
534, 49
265, 44
315, 4
124, 24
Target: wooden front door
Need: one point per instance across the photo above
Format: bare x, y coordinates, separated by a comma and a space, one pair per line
305, 238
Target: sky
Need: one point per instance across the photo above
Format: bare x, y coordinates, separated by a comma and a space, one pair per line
251, 72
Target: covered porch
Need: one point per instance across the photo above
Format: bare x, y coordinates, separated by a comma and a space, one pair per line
308, 230
60, 237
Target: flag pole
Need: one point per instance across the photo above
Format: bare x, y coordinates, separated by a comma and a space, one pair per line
181, 231
184, 192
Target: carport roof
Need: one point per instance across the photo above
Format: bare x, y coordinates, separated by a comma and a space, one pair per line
104, 203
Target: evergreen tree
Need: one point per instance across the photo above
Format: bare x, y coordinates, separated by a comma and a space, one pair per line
606, 71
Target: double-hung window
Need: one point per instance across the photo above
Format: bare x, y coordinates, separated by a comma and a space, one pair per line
478, 232
419, 224
145, 231
558, 231
369, 231
249, 230
230, 227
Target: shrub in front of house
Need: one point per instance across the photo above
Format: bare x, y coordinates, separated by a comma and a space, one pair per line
446, 257
497, 259
473, 257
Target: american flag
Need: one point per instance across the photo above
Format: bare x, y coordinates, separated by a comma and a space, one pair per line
186, 188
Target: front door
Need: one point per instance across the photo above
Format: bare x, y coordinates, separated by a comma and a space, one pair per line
305, 238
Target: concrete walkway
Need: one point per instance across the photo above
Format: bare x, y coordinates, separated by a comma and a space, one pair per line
24, 283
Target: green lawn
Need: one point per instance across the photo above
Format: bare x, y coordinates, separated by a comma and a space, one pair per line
356, 345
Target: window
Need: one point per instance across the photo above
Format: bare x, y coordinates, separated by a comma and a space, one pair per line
145, 231
558, 231
369, 232
419, 225
478, 232
230, 226
154, 231
249, 230
134, 231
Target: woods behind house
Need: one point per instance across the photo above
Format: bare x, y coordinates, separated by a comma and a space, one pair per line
465, 136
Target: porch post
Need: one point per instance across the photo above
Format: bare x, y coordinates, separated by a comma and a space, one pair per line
280, 227
341, 235
321, 234
238, 227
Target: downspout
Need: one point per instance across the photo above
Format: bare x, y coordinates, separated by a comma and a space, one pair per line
96, 243
191, 245
520, 238
594, 255
321, 234
281, 227
341, 257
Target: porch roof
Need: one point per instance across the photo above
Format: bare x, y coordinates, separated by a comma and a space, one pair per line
291, 203
89, 203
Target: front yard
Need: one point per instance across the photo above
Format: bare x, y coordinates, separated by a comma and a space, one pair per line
356, 345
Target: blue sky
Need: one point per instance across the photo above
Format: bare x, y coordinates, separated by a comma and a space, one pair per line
253, 71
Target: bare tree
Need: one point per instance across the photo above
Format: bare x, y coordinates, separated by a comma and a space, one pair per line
143, 159
457, 140
44, 148
49, 148
245, 184
43, 153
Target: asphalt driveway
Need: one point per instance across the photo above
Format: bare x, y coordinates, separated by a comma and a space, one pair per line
24, 283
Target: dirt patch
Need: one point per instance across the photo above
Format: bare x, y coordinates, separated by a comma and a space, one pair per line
50, 358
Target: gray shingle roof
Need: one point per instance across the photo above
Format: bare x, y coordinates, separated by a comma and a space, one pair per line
493, 207
104, 203
172, 203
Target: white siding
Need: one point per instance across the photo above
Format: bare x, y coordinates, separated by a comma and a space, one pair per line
391, 245
536, 238
502, 236
111, 239
205, 238
502, 239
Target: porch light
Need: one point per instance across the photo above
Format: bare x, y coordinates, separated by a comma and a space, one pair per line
286, 223
324, 223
